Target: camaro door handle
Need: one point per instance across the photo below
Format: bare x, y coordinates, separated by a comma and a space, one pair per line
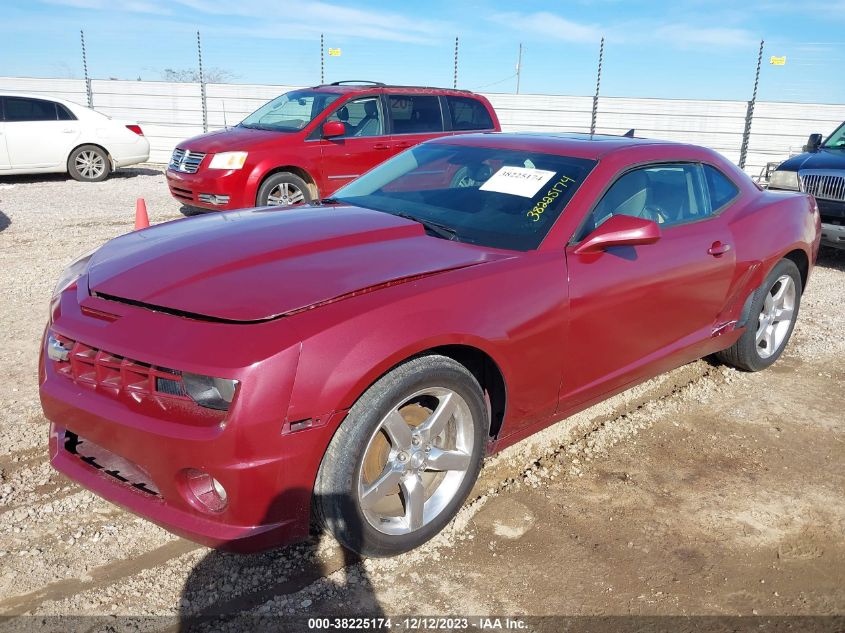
718, 248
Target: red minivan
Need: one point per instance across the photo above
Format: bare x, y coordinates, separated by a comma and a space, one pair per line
305, 144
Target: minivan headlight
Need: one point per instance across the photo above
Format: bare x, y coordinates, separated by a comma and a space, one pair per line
206, 391
782, 179
228, 160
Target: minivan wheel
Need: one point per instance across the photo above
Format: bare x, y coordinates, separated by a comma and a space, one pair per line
405, 458
88, 163
773, 312
283, 189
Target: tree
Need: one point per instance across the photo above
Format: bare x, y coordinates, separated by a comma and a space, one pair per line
185, 75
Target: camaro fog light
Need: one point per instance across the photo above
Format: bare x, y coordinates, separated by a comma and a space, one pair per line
204, 489
214, 393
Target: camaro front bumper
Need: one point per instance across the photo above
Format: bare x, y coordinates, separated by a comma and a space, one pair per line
134, 447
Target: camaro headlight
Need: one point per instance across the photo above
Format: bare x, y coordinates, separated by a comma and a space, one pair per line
70, 276
206, 391
782, 179
228, 160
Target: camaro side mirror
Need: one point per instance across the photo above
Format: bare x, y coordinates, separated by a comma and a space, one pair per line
620, 230
814, 142
333, 128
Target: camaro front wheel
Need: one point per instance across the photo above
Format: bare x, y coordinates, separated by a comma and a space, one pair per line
404, 459
771, 320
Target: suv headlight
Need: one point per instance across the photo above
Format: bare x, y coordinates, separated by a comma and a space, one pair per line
782, 179
228, 160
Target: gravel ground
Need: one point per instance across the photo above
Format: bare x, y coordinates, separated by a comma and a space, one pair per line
703, 491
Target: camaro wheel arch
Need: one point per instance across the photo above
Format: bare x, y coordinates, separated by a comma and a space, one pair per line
769, 321
405, 458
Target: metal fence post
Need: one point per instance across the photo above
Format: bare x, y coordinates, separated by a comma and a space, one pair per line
598, 86
85, 71
455, 79
749, 113
322, 60
202, 86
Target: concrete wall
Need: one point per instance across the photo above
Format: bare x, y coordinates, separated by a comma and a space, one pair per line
171, 112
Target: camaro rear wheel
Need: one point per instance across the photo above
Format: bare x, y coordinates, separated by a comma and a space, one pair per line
283, 189
88, 163
771, 320
404, 459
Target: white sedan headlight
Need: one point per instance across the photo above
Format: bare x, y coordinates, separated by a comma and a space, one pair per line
228, 160
783, 179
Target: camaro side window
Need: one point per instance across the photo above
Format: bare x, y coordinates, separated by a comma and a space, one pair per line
721, 189
668, 194
360, 117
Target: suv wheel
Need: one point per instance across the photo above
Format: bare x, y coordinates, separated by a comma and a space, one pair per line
283, 189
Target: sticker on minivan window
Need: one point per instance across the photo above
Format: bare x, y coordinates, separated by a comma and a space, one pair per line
518, 181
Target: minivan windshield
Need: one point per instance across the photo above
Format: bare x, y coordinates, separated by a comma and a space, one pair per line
289, 112
490, 196
837, 139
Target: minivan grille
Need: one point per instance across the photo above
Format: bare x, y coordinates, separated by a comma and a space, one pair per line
824, 184
185, 160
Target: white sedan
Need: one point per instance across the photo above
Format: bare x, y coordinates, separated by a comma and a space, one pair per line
47, 135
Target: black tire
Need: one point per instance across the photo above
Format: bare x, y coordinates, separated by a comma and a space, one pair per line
89, 163
336, 502
189, 211
744, 354
283, 179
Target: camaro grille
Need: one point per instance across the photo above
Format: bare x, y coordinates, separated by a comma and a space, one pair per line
826, 185
116, 374
185, 160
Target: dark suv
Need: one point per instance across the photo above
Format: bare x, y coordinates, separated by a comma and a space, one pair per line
819, 171
306, 143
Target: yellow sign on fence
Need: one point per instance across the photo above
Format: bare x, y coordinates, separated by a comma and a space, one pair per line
777, 61
335, 52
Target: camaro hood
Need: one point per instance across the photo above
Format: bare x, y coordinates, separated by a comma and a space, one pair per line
257, 264
823, 159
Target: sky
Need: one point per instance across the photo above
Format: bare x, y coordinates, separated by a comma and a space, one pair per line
686, 49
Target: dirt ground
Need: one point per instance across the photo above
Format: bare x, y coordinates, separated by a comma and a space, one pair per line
705, 491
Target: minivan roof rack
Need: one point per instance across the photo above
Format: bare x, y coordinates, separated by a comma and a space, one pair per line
356, 81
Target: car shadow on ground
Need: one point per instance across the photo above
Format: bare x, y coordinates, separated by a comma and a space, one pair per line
831, 258
255, 592
123, 172
5, 221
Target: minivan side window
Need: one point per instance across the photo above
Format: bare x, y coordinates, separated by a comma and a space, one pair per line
468, 114
361, 117
668, 194
23, 109
415, 114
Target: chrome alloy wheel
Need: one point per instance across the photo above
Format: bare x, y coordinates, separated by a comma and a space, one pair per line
415, 461
90, 164
776, 316
283, 194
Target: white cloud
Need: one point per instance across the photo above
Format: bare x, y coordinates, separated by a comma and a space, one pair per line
687, 36
306, 19
549, 25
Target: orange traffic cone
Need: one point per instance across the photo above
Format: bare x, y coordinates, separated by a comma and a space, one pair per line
142, 220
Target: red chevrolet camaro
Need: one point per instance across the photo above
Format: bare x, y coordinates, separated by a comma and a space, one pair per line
229, 376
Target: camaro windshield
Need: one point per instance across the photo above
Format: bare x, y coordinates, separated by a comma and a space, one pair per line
290, 112
482, 195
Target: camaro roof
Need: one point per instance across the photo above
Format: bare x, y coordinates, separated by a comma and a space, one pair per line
563, 143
